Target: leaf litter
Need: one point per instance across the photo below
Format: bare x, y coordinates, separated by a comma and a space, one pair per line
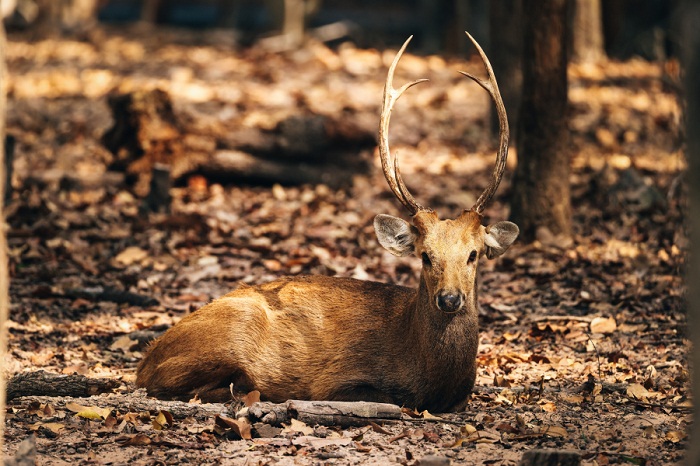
581, 348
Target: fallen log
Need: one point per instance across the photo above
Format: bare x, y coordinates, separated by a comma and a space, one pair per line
134, 402
42, 383
111, 294
550, 458
301, 148
237, 165
325, 413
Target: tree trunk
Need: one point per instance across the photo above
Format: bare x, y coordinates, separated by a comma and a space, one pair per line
149, 11
691, 55
68, 15
587, 34
541, 203
506, 30
4, 274
293, 26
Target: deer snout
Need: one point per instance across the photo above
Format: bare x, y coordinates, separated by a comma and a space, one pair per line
449, 301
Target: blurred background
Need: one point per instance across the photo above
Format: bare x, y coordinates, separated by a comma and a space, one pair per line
627, 27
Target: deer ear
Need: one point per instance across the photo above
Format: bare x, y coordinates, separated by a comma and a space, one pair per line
498, 238
396, 235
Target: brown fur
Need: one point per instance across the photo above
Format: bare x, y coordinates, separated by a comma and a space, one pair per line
323, 338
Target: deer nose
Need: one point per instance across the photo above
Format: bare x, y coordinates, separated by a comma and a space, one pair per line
449, 301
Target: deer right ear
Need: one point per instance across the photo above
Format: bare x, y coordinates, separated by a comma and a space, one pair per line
395, 234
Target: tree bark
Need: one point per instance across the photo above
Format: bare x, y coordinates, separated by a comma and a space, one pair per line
541, 199
506, 31
691, 56
4, 274
587, 46
550, 458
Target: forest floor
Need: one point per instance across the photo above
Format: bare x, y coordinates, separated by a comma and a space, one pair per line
583, 344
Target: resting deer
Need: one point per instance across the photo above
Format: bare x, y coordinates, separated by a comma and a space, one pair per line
326, 338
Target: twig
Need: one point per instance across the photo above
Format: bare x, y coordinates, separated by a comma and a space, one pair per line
586, 319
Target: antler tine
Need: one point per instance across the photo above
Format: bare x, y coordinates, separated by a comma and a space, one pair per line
390, 165
504, 133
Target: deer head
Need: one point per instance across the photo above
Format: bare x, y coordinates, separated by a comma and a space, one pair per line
449, 249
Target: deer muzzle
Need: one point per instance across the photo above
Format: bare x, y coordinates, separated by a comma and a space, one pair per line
449, 301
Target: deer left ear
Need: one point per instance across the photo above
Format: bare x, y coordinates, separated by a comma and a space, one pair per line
498, 238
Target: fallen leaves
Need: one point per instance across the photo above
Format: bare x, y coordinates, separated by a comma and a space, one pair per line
83, 259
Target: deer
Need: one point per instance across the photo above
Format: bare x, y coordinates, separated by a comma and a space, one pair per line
333, 338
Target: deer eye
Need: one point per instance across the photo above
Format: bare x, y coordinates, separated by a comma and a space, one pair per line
426, 260
472, 257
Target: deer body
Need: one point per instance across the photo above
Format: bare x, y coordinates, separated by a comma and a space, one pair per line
325, 338
365, 341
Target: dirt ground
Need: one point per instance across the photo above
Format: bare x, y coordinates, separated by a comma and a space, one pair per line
583, 344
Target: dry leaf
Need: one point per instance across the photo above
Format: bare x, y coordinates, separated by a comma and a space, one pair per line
426, 415
508, 336
378, 429
507, 427
162, 421
136, 440
362, 448
548, 406
123, 343
55, 427
675, 436
506, 397
250, 398
298, 426
42, 411
603, 325
637, 391
500, 381
240, 427
130, 417
554, 431
649, 432
110, 422
572, 398
89, 412
467, 430
130, 256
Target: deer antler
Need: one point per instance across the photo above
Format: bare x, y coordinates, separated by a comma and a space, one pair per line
390, 165
492, 87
